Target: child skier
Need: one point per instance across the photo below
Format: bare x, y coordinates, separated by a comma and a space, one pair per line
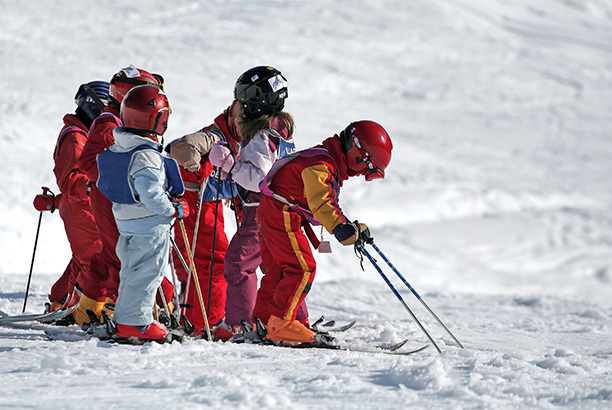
74, 201
298, 188
102, 278
266, 133
201, 183
141, 184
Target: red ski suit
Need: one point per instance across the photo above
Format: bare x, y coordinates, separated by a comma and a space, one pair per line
74, 208
102, 279
313, 183
202, 255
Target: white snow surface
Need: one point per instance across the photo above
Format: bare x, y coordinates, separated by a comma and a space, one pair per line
496, 206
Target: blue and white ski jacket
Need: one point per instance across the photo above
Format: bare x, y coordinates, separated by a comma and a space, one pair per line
146, 175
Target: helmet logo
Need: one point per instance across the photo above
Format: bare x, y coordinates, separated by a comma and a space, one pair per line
277, 83
254, 78
130, 71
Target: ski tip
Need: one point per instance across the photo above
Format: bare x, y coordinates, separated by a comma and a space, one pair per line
346, 327
396, 346
420, 349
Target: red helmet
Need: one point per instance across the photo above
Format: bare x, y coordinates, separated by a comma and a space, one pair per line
145, 108
128, 78
368, 148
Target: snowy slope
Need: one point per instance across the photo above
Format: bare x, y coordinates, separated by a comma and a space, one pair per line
496, 206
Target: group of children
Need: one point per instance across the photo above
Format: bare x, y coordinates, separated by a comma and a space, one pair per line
121, 196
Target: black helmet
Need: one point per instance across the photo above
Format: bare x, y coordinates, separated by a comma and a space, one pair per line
261, 90
92, 98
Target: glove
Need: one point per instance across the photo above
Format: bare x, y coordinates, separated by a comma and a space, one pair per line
182, 208
221, 156
349, 233
47, 202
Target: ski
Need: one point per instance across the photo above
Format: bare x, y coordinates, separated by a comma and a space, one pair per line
379, 349
257, 336
66, 334
99, 331
330, 326
395, 346
338, 346
343, 328
138, 341
40, 317
384, 349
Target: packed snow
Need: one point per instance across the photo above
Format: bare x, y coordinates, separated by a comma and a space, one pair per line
496, 206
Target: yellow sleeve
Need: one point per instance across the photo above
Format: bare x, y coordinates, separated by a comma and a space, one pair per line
321, 196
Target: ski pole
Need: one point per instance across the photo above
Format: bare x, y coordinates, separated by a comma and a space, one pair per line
175, 296
181, 307
232, 186
196, 281
214, 239
194, 242
27, 292
397, 294
414, 292
162, 296
25, 301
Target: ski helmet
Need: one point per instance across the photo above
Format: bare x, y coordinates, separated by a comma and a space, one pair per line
261, 90
145, 108
368, 148
129, 77
92, 98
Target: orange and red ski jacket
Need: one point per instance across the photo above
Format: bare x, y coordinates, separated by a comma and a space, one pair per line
313, 183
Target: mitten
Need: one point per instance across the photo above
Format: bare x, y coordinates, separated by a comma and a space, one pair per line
182, 208
221, 156
46, 202
347, 234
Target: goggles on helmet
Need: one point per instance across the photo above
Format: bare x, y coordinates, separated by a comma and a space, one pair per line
160, 80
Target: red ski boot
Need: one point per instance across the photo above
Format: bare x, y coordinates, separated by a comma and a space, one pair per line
153, 331
223, 331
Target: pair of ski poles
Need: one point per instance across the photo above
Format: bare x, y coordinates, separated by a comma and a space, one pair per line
365, 238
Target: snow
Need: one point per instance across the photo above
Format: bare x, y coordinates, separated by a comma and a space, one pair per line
496, 206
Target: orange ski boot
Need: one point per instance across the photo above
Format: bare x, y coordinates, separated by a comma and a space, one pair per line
290, 331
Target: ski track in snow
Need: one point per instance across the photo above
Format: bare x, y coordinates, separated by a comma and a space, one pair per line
496, 205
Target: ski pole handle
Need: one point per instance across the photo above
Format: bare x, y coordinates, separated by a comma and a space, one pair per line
47, 191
